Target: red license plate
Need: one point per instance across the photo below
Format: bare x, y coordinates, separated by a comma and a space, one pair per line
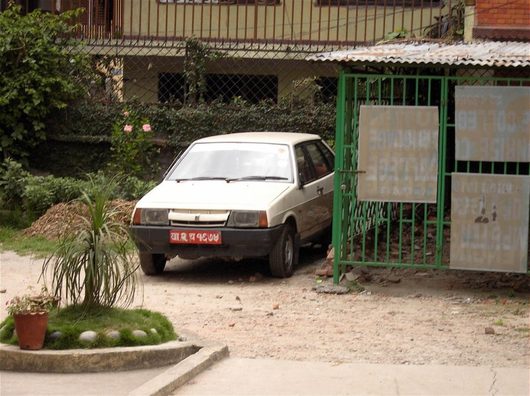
195, 237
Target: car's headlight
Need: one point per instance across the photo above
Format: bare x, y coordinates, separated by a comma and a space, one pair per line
151, 216
248, 219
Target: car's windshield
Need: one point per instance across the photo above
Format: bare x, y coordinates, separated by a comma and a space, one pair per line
234, 162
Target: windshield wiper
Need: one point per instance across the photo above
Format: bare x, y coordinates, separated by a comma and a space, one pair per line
201, 178
244, 178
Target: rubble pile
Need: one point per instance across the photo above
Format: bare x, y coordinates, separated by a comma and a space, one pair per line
65, 218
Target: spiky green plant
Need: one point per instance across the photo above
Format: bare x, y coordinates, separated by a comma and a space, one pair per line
95, 266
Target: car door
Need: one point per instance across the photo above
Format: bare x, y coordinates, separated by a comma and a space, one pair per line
315, 177
322, 160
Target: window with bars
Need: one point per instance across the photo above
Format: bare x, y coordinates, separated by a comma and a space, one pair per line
386, 3
228, 2
224, 87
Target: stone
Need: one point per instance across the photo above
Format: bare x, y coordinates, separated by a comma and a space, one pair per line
235, 309
331, 289
331, 255
3, 291
114, 334
231, 324
275, 306
55, 335
489, 330
182, 339
88, 336
139, 333
393, 279
351, 277
152, 330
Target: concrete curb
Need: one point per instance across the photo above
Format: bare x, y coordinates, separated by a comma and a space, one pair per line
182, 372
187, 359
95, 360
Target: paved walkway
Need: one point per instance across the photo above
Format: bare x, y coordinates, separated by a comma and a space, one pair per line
277, 377
235, 376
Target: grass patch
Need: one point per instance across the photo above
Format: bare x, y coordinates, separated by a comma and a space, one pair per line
13, 239
523, 329
499, 322
73, 320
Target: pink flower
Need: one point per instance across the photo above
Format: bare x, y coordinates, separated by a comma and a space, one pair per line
127, 128
146, 127
126, 113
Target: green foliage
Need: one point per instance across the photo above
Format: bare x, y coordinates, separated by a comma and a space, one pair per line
31, 302
71, 321
179, 125
41, 192
184, 125
13, 179
132, 188
39, 71
198, 55
27, 196
94, 267
133, 152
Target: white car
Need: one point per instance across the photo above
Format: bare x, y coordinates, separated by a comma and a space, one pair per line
255, 194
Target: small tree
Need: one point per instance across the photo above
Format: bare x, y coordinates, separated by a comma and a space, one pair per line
41, 70
94, 267
198, 55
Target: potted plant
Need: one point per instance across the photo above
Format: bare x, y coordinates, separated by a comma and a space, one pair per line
30, 313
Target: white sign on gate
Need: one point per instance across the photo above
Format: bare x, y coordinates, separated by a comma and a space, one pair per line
492, 123
489, 222
398, 153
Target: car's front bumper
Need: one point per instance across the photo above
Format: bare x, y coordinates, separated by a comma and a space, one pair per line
236, 242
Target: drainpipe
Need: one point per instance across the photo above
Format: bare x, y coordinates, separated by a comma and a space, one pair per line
469, 20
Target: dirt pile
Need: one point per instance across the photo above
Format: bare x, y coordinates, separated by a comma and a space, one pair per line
65, 218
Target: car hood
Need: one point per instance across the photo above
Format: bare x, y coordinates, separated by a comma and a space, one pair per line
213, 195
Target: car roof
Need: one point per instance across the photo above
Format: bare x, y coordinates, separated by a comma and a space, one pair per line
290, 138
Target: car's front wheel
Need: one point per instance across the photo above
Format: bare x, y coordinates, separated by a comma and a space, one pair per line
282, 258
152, 264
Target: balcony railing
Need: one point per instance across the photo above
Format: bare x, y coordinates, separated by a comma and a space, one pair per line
324, 23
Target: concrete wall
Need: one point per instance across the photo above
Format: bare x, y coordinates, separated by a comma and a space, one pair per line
291, 20
141, 73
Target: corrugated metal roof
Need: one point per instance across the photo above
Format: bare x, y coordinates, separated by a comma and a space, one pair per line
488, 53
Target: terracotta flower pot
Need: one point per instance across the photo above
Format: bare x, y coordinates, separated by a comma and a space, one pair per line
31, 329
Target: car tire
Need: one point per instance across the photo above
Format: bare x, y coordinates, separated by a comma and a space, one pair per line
152, 264
283, 255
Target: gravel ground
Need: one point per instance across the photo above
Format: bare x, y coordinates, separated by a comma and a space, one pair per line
403, 317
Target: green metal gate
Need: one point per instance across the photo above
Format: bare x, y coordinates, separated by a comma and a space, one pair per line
404, 235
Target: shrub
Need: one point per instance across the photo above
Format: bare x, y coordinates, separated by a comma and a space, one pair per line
94, 267
22, 192
133, 152
13, 180
42, 192
41, 71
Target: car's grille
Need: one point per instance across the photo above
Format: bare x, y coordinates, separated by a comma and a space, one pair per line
198, 218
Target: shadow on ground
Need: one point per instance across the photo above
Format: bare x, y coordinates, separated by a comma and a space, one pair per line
208, 270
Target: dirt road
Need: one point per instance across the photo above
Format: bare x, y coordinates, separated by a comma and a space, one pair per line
404, 317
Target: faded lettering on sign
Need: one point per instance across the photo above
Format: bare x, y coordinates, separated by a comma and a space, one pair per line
398, 153
492, 123
489, 222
